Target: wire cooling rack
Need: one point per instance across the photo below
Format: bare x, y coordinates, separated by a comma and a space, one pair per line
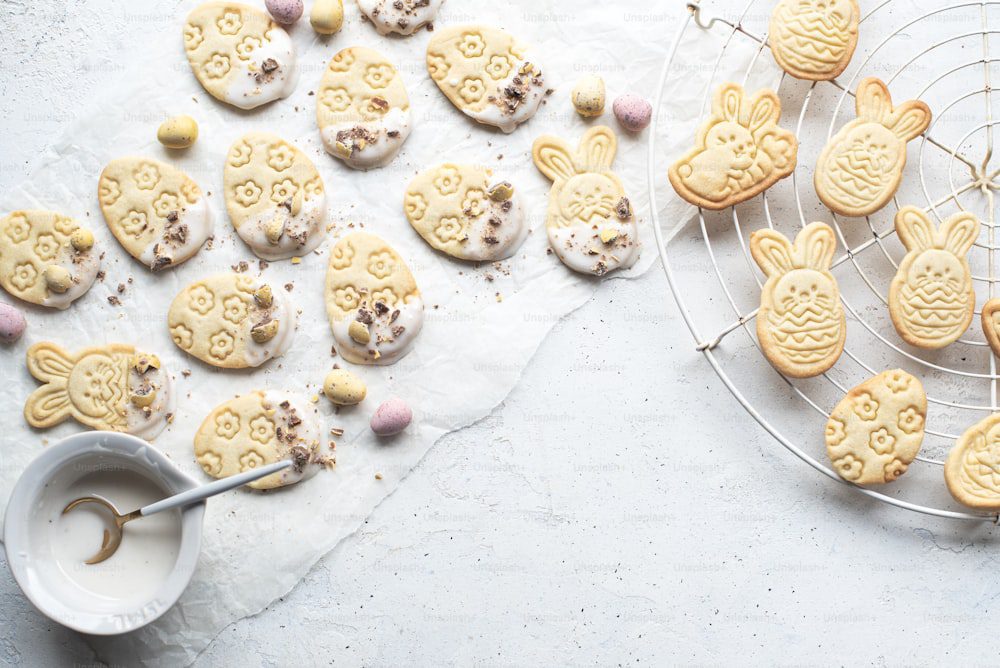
940, 54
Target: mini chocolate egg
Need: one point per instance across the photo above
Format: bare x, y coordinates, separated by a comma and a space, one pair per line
12, 323
285, 12
633, 112
392, 417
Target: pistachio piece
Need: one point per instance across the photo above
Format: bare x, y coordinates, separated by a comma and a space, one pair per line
264, 331
357, 331
501, 192
57, 278
263, 296
82, 239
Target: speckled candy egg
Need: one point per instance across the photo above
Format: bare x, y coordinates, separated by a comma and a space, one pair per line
876, 430
633, 112
12, 323
392, 417
285, 12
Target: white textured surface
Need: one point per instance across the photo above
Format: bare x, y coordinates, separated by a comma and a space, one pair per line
617, 508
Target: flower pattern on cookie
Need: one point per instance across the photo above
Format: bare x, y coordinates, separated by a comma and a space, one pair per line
448, 181
246, 47
416, 205
386, 296
193, 36
227, 424
865, 406
283, 191
182, 336
240, 155
379, 75
211, 462
380, 265
247, 193
46, 246
336, 99
230, 22
472, 205
261, 429
280, 157
438, 66
849, 467
882, 441
65, 225
202, 300
835, 432
217, 66
894, 469
472, 90
346, 298
251, 460
25, 276
235, 309
448, 229
897, 381
498, 67
165, 204
146, 176
134, 223
910, 420
222, 346
18, 228
472, 45
342, 61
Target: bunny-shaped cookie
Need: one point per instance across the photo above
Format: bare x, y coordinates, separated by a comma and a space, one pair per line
814, 39
931, 299
861, 166
739, 153
800, 325
590, 223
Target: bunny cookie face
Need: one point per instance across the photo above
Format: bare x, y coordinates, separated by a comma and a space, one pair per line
861, 166
110, 388
814, 39
801, 325
740, 151
972, 470
590, 222
239, 54
931, 299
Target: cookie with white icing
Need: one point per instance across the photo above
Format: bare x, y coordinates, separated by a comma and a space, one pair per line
402, 17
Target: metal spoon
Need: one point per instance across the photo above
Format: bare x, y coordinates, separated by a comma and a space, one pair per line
112, 539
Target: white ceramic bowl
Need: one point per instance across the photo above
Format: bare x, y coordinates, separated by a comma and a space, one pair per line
31, 557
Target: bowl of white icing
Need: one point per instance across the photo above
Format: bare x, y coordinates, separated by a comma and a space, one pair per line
46, 549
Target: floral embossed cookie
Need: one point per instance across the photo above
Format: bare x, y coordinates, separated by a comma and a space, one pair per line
362, 108
487, 74
814, 39
157, 213
801, 325
232, 321
931, 299
740, 151
590, 222
876, 430
239, 55
258, 429
46, 258
972, 470
274, 196
109, 388
861, 166
459, 211
403, 17
372, 299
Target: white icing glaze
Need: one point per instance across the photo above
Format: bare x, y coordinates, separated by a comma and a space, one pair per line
139, 424
495, 114
574, 245
309, 432
303, 232
376, 153
404, 20
390, 347
284, 312
82, 268
198, 219
509, 234
251, 87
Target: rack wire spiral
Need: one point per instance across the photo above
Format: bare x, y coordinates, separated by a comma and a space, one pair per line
731, 273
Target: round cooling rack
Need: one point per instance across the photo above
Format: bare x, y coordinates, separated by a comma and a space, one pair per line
941, 54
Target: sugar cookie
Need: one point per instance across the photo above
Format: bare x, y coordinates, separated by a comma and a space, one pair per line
157, 213
740, 152
931, 299
458, 211
109, 388
239, 55
876, 430
232, 321
258, 429
274, 196
972, 470
801, 325
814, 40
403, 17
861, 166
372, 299
487, 74
46, 258
362, 108
590, 222
990, 318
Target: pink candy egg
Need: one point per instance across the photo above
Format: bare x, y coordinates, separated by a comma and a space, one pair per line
285, 12
12, 323
633, 112
391, 417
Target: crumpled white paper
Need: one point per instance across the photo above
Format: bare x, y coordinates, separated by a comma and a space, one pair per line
483, 323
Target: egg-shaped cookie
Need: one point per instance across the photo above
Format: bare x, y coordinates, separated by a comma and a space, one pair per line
232, 321
460, 210
156, 211
487, 74
46, 258
372, 300
362, 108
402, 17
275, 196
261, 428
972, 470
239, 55
876, 430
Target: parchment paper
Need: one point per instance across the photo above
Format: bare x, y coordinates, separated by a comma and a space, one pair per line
483, 323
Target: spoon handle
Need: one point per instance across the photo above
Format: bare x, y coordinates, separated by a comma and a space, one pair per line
218, 487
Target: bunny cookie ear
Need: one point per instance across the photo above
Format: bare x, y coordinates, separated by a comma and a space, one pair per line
766, 108
48, 405
772, 252
597, 149
814, 246
959, 232
728, 102
553, 158
47, 361
873, 102
910, 119
914, 228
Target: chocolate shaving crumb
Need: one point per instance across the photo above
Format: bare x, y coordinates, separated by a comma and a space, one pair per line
381, 308
398, 330
392, 318
114, 301
269, 65
624, 208
365, 316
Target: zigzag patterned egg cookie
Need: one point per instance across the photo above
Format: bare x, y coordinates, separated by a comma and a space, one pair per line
372, 299
274, 196
109, 388
459, 211
972, 470
876, 430
362, 108
990, 319
258, 429
46, 258
814, 39
239, 55
232, 321
157, 213
487, 74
